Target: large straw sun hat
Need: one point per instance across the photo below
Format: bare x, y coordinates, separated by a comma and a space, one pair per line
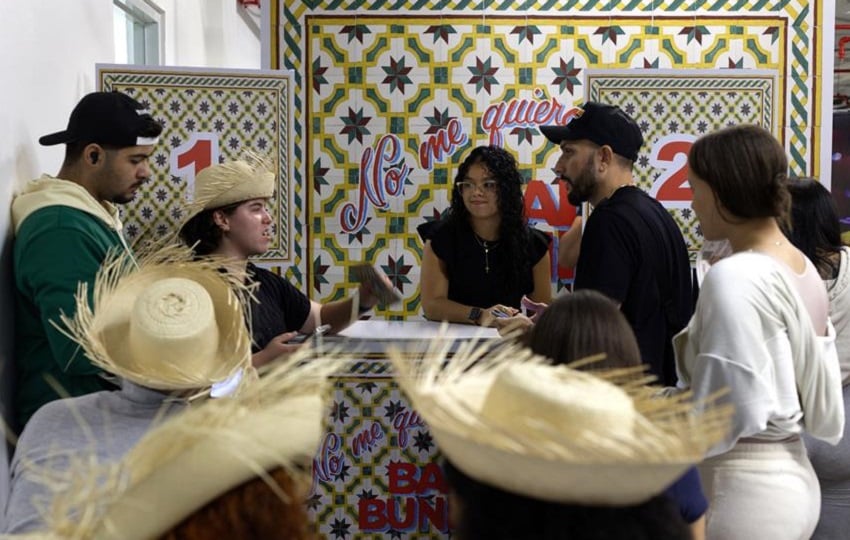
168, 323
196, 456
511, 420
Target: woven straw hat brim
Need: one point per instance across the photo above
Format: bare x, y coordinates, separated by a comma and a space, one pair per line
229, 183
289, 432
532, 455
554, 480
102, 330
195, 456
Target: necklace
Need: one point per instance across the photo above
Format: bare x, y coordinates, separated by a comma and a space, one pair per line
486, 246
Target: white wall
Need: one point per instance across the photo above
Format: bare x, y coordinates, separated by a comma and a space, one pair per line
48, 50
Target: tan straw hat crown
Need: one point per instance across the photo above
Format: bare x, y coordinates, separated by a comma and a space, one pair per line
509, 419
231, 182
170, 323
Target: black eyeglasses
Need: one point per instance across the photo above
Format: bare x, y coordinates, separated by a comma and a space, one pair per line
487, 186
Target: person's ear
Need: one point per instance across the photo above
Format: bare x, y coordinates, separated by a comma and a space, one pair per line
220, 219
606, 157
93, 154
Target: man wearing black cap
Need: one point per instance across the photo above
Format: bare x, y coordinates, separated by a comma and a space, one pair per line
64, 226
631, 248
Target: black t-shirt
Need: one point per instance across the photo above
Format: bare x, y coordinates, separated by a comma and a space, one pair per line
279, 308
470, 284
628, 240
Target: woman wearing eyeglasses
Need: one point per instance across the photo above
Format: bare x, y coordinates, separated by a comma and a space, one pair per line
482, 257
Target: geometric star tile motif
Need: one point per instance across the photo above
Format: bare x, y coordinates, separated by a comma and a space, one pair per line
376, 92
373, 86
211, 116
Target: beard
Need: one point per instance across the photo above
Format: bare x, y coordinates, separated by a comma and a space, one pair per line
582, 186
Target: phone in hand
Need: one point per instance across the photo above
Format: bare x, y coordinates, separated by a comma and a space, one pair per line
319, 331
499, 314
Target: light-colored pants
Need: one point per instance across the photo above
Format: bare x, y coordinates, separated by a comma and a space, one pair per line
761, 491
832, 465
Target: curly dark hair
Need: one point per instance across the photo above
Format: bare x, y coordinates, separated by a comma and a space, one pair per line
489, 513
513, 227
201, 232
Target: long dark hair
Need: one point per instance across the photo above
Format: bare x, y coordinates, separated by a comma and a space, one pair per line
513, 230
815, 228
489, 513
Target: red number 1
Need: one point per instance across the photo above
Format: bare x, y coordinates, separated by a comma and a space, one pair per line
193, 156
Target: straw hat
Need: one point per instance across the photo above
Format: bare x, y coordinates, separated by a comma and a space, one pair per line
510, 420
229, 183
193, 457
170, 323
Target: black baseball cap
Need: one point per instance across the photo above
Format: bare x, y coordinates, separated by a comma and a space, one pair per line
110, 118
603, 125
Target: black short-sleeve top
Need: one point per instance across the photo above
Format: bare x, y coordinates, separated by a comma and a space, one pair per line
279, 307
463, 254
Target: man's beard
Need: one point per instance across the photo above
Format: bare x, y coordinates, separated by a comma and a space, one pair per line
582, 188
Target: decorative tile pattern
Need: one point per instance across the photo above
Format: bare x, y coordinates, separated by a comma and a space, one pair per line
376, 475
211, 115
671, 109
382, 88
375, 80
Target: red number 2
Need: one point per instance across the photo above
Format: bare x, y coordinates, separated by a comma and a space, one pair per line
670, 153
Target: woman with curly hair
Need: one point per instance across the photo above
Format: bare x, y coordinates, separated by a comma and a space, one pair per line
482, 257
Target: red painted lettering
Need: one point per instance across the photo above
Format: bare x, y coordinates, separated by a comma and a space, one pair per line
437, 146
371, 514
382, 173
366, 439
193, 156
524, 112
438, 515
404, 421
431, 479
330, 460
402, 478
548, 203
403, 514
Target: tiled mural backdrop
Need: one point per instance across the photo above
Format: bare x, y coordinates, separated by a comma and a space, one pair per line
387, 105
391, 95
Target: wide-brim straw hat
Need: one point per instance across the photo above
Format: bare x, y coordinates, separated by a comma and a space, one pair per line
199, 454
511, 420
231, 182
168, 322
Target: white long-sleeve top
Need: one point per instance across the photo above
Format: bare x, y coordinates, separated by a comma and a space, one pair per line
839, 312
751, 333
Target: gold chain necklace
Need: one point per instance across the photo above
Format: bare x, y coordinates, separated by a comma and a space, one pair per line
486, 246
